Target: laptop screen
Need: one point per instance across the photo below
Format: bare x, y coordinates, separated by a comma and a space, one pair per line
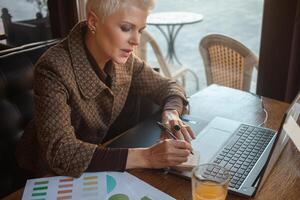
291, 118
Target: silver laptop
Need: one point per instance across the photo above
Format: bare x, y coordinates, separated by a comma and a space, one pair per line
248, 152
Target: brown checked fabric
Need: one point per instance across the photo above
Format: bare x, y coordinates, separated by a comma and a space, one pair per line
74, 108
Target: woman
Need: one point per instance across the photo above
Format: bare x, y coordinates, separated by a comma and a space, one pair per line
81, 86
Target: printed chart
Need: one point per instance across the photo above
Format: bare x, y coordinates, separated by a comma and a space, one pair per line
92, 186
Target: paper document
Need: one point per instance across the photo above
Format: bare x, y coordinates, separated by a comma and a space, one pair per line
193, 160
100, 185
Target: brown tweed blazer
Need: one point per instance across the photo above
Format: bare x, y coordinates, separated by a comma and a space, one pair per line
74, 108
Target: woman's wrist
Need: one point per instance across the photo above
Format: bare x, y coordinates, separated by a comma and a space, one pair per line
138, 158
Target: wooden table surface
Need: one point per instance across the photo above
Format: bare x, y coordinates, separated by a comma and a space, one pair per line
283, 182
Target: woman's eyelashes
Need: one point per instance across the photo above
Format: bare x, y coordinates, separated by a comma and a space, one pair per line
126, 28
141, 30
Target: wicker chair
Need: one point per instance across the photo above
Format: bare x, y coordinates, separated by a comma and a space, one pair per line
141, 51
227, 62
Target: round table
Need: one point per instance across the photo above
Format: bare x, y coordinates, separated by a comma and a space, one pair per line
173, 21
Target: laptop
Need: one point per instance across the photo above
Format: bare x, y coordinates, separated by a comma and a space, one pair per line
248, 151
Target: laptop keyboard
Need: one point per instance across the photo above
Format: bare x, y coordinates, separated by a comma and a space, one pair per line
242, 152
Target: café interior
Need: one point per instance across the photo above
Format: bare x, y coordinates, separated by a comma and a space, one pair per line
223, 89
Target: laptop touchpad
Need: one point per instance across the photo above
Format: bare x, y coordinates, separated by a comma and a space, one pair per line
208, 143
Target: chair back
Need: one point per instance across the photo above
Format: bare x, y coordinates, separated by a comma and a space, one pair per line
227, 62
16, 108
146, 39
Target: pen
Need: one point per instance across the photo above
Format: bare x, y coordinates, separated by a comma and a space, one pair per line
188, 120
163, 127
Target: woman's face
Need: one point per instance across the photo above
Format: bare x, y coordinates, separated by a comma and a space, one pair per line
117, 36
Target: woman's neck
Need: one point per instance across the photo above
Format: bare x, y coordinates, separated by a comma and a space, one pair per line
94, 50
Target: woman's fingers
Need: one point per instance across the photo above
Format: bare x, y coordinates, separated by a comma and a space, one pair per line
181, 130
181, 144
190, 131
185, 134
169, 153
175, 127
177, 160
164, 135
171, 119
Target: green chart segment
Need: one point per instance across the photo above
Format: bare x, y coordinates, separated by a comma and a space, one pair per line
145, 198
119, 197
39, 190
125, 197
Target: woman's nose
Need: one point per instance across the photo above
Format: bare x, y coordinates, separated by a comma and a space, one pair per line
135, 39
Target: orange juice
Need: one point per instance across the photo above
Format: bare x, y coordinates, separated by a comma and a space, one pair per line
209, 190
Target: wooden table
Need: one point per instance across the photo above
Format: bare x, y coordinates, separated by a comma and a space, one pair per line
283, 182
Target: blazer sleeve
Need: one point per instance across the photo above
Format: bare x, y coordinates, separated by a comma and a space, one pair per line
147, 82
62, 151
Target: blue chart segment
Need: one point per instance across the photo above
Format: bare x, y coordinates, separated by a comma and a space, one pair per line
110, 183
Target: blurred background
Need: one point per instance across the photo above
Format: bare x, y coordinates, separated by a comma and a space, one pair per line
238, 19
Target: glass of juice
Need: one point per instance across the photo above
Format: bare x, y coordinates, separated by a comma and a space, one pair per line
210, 182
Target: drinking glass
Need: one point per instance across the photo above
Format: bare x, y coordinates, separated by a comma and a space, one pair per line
210, 182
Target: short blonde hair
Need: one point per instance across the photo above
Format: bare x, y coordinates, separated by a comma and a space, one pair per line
104, 8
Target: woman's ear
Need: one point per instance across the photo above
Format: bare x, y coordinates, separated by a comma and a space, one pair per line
92, 20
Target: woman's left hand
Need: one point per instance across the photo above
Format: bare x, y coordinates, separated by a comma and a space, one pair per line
170, 118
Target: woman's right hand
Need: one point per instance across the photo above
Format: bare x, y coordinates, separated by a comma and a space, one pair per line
168, 153
164, 154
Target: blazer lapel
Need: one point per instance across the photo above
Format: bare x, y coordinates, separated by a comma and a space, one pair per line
89, 83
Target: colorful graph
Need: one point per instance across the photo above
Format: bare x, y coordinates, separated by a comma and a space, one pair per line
92, 186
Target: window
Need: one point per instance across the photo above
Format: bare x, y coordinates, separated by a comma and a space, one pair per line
24, 21
81, 9
238, 19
